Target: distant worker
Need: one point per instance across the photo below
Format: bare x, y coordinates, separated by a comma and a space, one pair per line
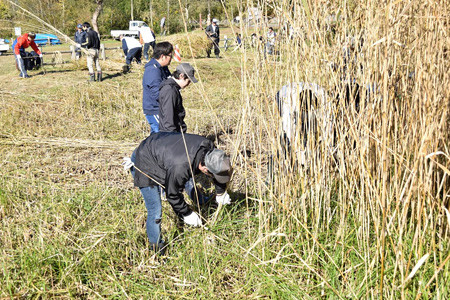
169, 160
271, 37
93, 46
147, 38
171, 109
162, 26
132, 49
80, 38
213, 33
156, 71
20, 44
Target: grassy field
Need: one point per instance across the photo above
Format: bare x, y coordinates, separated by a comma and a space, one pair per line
369, 220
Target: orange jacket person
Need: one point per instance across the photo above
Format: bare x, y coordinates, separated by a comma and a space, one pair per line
23, 42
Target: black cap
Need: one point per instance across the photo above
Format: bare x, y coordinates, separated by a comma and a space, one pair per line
187, 69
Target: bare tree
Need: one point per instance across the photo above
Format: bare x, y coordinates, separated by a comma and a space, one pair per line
97, 12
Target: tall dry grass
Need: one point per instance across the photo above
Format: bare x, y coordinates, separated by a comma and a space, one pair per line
373, 197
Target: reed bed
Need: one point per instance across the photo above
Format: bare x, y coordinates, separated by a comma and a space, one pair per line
372, 198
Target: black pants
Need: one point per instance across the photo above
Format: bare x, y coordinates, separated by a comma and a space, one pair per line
215, 44
134, 53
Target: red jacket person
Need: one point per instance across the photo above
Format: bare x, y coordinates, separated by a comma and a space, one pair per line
22, 43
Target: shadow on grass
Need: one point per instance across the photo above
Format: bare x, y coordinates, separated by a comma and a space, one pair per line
111, 76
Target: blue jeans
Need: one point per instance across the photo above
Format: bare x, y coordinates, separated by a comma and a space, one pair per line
152, 199
189, 188
146, 47
153, 120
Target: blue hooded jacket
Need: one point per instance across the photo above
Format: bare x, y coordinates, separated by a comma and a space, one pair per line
154, 74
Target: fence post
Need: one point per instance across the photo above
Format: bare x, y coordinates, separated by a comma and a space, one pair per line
72, 48
102, 50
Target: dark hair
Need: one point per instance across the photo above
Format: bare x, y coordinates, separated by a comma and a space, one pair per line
177, 74
86, 24
271, 28
32, 35
163, 48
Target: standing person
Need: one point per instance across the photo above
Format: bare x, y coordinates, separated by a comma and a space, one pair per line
20, 44
93, 46
170, 159
270, 45
132, 49
147, 38
156, 70
80, 38
213, 33
171, 109
162, 26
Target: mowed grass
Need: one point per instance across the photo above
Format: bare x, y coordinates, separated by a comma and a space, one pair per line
72, 225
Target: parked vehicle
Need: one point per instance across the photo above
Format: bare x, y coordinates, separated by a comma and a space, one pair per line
4, 46
133, 30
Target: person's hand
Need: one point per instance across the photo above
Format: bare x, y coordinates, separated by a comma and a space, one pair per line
78, 45
40, 55
127, 163
192, 219
223, 199
18, 56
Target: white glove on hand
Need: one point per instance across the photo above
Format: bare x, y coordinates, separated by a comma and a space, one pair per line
78, 45
127, 163
18, 56
40, 55
223, 199
192, 219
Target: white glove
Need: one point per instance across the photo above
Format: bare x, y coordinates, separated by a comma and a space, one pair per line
223, 199
40, 55
18, 56
127, 163
192, 219
78, 45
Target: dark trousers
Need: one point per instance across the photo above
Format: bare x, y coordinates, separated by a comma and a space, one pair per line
146, 47
134, 53
215, 44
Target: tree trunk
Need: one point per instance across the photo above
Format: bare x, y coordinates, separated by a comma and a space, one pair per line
132, 9
97, 12
151, 15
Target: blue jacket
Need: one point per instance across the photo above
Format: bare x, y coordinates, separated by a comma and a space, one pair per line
80, 37
154, 74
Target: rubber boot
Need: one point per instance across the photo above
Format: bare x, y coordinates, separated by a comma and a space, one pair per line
91, 77
99, 76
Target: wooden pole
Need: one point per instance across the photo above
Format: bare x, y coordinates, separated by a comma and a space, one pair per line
102, 51
74, 54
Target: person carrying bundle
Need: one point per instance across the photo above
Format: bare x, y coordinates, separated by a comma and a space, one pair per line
93, 46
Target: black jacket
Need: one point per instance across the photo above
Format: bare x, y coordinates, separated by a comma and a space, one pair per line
171, 110
92, 40
215, 34
163, 157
